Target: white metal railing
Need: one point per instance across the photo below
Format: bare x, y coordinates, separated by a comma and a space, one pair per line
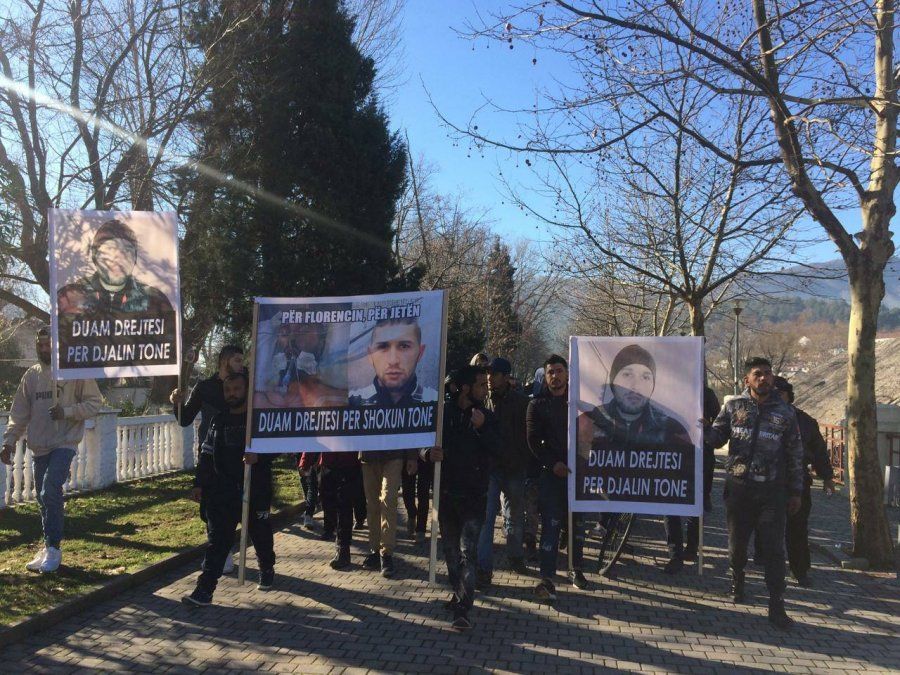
114, 449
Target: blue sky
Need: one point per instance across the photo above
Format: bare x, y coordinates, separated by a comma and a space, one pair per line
458, 74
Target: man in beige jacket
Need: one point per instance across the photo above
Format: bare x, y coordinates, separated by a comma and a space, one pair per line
54, 431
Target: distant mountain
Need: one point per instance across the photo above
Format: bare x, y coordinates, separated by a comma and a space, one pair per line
829, 281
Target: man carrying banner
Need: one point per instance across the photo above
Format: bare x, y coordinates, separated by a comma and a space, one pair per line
394, 352
764, 479
507, 472
547, 433
54, 426
220, 477
469, 443
208, 399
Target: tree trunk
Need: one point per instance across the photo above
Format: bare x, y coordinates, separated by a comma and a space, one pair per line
698, 321
871, 535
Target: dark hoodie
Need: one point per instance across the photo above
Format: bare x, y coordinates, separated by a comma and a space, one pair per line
468, 453
547, 427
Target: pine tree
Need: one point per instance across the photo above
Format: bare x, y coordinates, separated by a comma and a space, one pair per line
308, 170
503, 325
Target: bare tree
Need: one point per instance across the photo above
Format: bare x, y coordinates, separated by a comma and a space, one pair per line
824, 77
377, 34
93, 100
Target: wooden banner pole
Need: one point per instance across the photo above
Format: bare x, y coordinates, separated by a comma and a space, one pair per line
438, 438
248, 445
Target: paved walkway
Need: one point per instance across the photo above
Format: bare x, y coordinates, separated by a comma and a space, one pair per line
320, 621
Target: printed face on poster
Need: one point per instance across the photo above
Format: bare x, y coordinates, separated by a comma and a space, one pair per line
354, 373
634, 438
116, 306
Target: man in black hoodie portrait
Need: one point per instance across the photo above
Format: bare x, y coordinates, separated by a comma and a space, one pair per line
470, 438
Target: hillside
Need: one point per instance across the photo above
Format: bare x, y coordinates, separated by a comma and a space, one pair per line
822, 391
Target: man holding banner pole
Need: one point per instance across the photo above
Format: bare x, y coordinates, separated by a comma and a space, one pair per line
221, 478
470, 442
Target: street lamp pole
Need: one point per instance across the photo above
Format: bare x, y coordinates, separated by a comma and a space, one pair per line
737, 309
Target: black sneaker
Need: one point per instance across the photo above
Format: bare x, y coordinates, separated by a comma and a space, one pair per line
387, 566
372, 562
452, 603
578, 580
327, 535
482, 580
266, 579
778, 617
673, 566
199, 598
461, 621
341, 560
690, 555
804, 580
545, 590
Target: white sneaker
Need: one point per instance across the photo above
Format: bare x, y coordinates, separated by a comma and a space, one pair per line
51, 561
308, 522
229, 565
35, 564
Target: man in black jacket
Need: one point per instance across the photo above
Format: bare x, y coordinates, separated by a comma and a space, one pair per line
764, 478
208, 399
220, 479
815, 454
507, 473
470, 440
547, 433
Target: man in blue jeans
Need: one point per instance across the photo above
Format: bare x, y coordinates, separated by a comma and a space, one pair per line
54, 430
508, 469
547, 431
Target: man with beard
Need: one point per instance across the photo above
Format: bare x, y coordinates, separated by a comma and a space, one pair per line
54, 429
220, 478
111, 293
764, 478
470, 441
394, 352
208, 399
546, 425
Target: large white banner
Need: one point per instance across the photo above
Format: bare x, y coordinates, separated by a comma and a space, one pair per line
115, 303
635, 441
352, 373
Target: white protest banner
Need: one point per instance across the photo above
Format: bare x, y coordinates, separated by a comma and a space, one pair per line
115, 294
349, 373
635, 444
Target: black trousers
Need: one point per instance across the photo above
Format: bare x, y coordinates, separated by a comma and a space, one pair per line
460, 518
797, 535
223, 514
339, 493
761, 507
709, 469
675, 535
416, 493
310, 486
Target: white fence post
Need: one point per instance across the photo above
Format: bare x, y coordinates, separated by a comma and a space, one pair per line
104, 450
187, 442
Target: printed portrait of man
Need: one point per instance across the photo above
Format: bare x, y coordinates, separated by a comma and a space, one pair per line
631, 419
112, 289
394, 351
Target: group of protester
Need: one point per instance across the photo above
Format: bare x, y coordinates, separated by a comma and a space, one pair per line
496, 441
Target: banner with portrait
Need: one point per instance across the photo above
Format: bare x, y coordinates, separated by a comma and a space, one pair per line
635, 440
352, 373
115, 294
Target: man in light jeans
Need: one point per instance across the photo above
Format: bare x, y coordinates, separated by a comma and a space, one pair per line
54, 429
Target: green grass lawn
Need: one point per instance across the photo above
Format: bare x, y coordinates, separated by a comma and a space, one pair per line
107, 533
